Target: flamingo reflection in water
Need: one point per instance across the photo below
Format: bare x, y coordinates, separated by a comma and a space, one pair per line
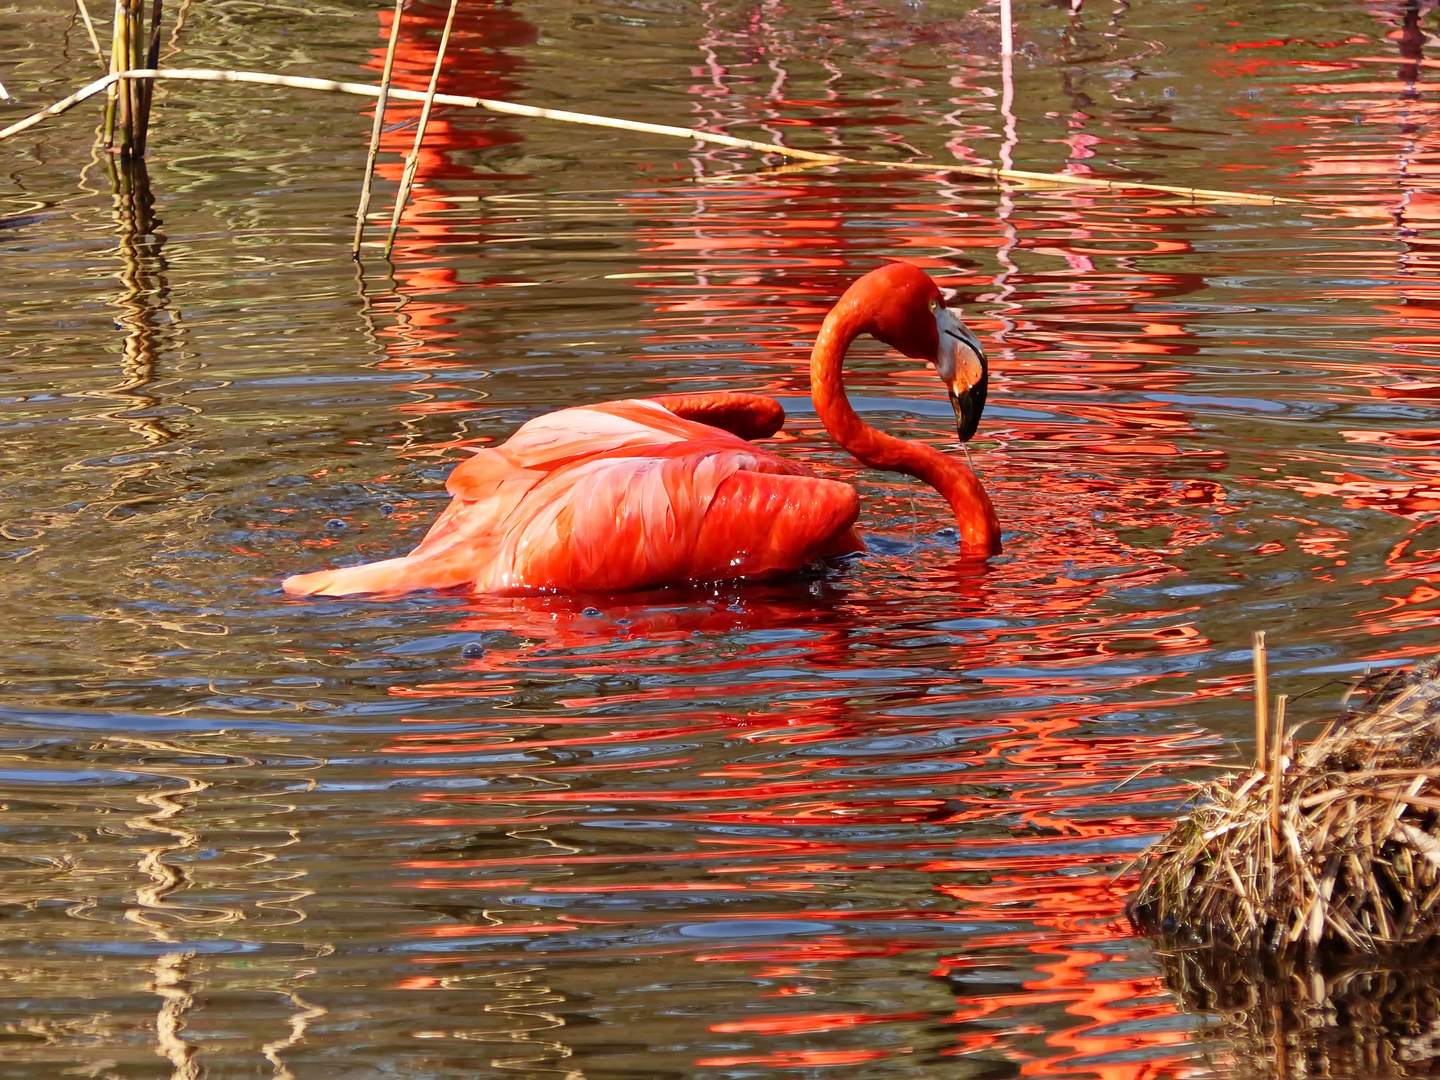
638, 493
780, 824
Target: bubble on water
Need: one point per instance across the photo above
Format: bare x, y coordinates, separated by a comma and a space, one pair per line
335, 523
591, 613
386, 509
472, 650
622, 622
1169, 91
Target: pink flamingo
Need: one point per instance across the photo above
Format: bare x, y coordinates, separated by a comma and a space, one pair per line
643, 493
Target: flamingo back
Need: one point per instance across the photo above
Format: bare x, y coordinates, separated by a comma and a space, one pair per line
610, 497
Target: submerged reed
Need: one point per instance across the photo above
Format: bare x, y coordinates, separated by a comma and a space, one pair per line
516, 109
1334, 846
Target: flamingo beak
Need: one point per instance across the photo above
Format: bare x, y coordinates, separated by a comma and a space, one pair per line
964, 370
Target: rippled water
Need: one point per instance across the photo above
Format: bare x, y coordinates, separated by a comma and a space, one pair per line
859, 824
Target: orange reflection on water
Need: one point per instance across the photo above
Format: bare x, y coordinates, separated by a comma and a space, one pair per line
826, 790
1121, 1014
1034, 772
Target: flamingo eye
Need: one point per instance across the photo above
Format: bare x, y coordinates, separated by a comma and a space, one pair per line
934, 304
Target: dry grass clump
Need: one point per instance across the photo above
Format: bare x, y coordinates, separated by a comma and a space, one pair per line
1335, 846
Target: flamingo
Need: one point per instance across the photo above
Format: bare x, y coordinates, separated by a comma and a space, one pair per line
642, 493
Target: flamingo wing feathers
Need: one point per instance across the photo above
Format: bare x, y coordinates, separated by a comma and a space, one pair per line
761, 524
686, 512
622, 495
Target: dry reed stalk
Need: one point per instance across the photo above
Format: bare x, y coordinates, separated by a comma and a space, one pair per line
1276, 776
1262, 692
1337, 842
112, 80
129, 95
146, 89
412, 163
130, 88
90, 29
381, 101
512, 109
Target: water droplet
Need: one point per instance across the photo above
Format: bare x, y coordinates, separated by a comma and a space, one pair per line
472, 650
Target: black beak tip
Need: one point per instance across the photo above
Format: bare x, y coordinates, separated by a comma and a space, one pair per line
967, 415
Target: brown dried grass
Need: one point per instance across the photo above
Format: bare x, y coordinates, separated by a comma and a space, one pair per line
1334, 846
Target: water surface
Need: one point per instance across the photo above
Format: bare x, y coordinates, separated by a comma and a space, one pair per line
861, 823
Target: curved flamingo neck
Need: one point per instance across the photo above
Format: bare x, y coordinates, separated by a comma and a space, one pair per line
979, 528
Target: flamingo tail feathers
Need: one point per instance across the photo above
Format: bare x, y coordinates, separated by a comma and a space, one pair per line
388, 577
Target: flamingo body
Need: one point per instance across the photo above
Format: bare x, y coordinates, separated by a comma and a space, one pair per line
636, 494
618, 496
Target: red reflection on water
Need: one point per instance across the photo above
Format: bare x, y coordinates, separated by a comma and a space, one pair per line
1118, 1010
478, 63
1040, 772
791, 1059
761, 772
1373, 143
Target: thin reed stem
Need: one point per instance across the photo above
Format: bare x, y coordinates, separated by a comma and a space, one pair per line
146, 89
412, 163
1277, 765
90, 29
130, 88
117, 67
377, 128
1262, 695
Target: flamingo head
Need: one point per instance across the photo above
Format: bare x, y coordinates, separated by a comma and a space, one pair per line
907, 312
